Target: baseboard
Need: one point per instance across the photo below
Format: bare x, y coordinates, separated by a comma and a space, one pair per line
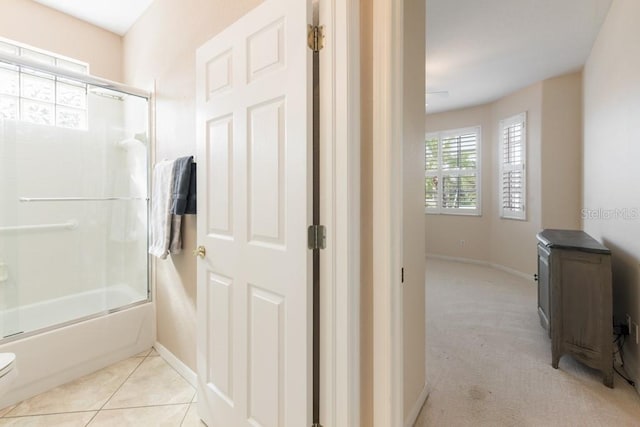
520, 274
412, 417
525, 276
632, 368
177, 364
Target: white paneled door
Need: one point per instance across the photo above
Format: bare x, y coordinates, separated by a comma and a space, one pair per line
254, 176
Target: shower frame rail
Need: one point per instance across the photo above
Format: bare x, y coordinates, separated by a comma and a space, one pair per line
21, 61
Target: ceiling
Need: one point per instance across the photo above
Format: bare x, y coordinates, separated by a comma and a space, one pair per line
116, 16
480, 51
477, 51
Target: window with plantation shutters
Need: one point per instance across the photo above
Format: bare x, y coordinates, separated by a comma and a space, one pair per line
452, 172
513, 189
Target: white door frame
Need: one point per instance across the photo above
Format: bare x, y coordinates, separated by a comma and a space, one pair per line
340, 177
388, 401
340, 212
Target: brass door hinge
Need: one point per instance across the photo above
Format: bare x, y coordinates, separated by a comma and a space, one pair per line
317, 237
315, 37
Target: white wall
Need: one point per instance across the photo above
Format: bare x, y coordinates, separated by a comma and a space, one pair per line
561, 156
366, 209
160, 50
513, 242
444, 232
611, 150
31, 23
413, 289
554, 123
488, 238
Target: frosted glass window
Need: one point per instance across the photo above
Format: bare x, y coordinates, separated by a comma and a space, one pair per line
37, 56
41, 97
38, 88
40, 113
9, 81
71, 118
71, 96
8, 107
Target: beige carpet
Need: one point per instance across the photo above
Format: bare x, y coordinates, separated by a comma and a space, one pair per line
489, 361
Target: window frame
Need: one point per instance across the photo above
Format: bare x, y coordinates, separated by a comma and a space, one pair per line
503, 124
440, 173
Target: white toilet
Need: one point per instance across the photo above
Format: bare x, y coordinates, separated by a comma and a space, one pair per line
8, 372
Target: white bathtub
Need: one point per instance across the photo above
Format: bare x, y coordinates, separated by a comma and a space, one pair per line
48, 359
59, 311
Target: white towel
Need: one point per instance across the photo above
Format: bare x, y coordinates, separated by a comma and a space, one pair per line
161, 218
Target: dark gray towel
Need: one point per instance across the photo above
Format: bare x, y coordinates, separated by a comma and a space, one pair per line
192, 205
181, 185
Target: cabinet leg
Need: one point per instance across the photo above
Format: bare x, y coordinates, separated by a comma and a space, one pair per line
607, 379
555, 359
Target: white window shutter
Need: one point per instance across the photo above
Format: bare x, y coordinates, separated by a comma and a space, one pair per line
513, 194
452, 172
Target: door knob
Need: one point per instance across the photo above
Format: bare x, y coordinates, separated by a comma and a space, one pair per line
200, 251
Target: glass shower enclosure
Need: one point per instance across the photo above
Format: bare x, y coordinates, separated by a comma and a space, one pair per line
74, 179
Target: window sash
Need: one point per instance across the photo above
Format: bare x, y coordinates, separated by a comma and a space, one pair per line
513, 194
452, 172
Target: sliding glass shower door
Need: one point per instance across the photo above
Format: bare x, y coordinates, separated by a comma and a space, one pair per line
74, 162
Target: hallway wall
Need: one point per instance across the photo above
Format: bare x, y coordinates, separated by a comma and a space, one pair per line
413, 250
611, 196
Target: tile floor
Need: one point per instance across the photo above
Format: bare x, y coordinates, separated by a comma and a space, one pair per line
140, 391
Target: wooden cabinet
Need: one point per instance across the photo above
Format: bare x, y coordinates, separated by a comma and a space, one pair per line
575, 298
